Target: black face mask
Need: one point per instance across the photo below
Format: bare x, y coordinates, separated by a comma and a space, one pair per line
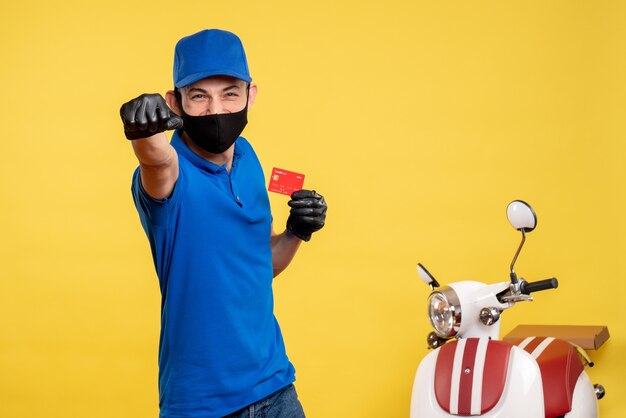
215, 133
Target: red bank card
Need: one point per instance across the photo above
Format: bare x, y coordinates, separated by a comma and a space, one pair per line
285, 182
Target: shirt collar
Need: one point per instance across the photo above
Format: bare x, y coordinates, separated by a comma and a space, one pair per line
200, 162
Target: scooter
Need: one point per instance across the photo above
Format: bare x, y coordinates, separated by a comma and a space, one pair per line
472, 373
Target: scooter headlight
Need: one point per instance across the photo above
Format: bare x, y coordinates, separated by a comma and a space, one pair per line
444, 311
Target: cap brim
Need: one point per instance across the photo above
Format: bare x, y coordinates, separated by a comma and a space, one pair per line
192, 78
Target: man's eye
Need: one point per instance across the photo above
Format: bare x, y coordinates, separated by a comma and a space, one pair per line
197, 97
231, 94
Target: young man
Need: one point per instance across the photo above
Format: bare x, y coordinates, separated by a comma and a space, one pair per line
203, 204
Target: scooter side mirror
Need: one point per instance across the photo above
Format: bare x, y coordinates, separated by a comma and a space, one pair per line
523, 218
521, 215
426, 276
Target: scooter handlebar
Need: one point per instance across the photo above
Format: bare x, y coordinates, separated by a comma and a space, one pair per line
527, 287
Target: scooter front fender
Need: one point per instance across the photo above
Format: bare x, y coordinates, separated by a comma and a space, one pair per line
522, 395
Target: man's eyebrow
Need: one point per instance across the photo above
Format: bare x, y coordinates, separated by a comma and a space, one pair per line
192, 89
201, 90
234, 86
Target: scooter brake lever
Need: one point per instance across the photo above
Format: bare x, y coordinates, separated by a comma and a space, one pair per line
514, 293
517, 298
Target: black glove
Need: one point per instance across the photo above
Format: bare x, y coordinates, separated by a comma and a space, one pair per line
147, 115
308, 213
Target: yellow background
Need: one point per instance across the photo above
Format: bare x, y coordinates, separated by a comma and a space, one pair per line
418, 120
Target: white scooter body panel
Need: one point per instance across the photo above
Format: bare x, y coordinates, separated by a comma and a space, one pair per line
584, 403
522, 396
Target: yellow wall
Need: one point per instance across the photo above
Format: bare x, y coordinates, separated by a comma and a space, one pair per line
418, 120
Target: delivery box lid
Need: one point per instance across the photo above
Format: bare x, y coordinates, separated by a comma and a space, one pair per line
589, 337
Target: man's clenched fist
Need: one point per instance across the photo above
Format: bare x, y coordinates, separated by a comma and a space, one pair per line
147, 115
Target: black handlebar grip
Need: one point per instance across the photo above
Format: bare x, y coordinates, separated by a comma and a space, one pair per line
528, 288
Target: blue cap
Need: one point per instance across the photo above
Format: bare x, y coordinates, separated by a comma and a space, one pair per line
208, 53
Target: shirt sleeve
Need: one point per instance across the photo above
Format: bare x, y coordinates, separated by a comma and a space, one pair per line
156, 212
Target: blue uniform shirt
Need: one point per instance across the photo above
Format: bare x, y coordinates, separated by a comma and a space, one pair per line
220, 346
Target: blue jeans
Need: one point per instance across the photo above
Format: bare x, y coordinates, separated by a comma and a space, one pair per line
281, 404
